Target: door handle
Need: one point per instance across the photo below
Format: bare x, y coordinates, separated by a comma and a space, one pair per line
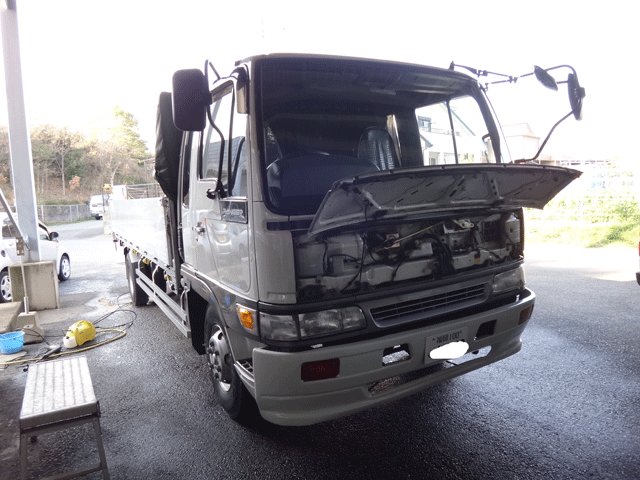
199, 228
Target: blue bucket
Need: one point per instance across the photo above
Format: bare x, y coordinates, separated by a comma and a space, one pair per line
11, 342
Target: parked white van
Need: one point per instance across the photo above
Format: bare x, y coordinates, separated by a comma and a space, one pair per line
96, 206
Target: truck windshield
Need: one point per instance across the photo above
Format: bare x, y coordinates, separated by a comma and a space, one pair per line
324, 120
454, 132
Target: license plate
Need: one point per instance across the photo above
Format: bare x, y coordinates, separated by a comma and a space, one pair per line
444, 338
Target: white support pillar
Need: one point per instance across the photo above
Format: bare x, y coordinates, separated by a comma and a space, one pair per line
19, 139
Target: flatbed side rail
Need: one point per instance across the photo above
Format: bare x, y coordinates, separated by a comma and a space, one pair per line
170, 308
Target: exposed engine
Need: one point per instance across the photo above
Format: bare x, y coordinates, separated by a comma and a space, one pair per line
384, 255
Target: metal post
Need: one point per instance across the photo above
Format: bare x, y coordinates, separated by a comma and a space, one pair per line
19, 140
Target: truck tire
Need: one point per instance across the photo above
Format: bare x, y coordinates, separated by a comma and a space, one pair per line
232, 395
138, 296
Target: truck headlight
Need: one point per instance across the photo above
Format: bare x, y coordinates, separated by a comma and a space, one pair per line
507, 281
278, 327
313, 324
327, 321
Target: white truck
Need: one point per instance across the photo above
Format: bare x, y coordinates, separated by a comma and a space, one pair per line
335, 233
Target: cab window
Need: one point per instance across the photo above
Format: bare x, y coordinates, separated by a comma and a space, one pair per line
224, 145
453, 126
190, 151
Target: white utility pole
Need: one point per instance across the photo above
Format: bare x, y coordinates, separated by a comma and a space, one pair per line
19, 139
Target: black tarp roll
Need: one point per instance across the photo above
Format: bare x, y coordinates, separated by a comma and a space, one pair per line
168, 141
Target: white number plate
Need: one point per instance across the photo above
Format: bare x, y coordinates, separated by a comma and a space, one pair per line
444, 338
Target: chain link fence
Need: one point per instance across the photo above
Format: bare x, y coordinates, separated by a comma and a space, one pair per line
61, 213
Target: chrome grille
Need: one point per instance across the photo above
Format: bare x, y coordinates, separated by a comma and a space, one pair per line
428, 304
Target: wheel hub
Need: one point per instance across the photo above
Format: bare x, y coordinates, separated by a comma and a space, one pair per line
219, 360
65, 267
5, 288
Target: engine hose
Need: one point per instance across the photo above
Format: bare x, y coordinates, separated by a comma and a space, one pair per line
445, 256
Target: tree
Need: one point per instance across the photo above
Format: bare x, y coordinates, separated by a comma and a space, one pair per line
42, 156
52, 144
113, 152
126, 134
63, 143
116, 145
4, 161
110, 156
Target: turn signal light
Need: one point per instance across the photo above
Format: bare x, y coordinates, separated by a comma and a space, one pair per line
320, 370
525, 315
246, 317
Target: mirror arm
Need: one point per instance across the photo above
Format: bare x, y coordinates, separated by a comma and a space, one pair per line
547, 139
484, 73
207, 63
508, 78
573, 70
219, 187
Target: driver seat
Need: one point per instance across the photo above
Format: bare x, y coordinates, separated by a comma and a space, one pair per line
376, 146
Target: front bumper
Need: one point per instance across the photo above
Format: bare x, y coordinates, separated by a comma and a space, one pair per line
284, 399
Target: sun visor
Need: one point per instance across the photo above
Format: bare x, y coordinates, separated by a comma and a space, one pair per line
168, 142
420, 192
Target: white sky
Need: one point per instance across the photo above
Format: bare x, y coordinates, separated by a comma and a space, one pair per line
82, 57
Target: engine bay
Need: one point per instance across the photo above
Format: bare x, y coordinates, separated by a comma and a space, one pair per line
349, 262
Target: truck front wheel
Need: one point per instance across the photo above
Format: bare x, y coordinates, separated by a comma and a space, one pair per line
233, 396
138, 296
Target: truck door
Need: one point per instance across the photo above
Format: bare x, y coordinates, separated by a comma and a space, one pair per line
219, 206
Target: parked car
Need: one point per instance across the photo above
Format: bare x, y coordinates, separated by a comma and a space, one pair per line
50, 249
96, 206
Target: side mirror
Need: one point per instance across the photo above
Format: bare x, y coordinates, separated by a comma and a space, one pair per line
53, 235
576, 94
544, 78
190, 100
